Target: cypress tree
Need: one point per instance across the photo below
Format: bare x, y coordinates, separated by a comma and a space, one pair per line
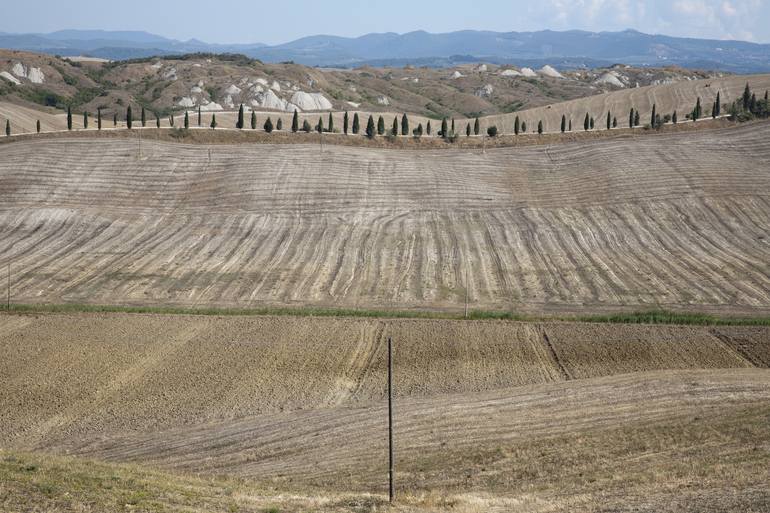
444, 129
144, 118
69, 118
268, 126
718, 105
240, 123
713, 110
753, 103
279, 124
592, 123
115, 120
453, 126
609, 120
614, 122
428, 128
295, 122
213, 121
199, 116
394, 130
38, 126
563, 123
476, 127
99, 118
404, 125
7, 127
254, 120
357, 124
540, 127
331, 123
129, 118
370, 129
516, 126
344, 123
587, 122
746, 97
468, 130
569, 127
673, 118
696, 113
636, 118
170, 120
524, 127
85, 119
380, 126
418, 131
320, 126
157, 120
631, 118
652, 116
306, 126
186, 120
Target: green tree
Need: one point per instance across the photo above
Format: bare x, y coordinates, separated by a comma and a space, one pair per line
129, 118
444, 129
673, 118
592, 123
279, 124
609, 120
614, 122
467, 130
345, 120
394, 130
540, 127
7, 127
200, 119
523, 127
696, 112
268, 126
331, 123
718, 105
99, 118
170, 120
320, 126
38, 126
69, 118
753, 104
85, 119
746, 97
157, 120
356, 124
563, 123
240, 123
404, 125
516, 126
380, 126
306, 126
186, 120
476, 127
213, 121
492, 131
652, 116
636, 118
428, 128
569, 125
587, 123
144, 118
453, 127
631, 119
370, 129
295, 122
254, 120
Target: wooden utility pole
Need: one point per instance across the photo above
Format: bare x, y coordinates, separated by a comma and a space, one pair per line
8, 301
467, 288
392, 490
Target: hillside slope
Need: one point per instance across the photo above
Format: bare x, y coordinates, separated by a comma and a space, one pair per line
618, 223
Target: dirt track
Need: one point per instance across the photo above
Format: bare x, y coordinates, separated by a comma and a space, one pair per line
674, 221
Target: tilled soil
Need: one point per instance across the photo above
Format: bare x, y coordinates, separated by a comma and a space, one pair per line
659, 221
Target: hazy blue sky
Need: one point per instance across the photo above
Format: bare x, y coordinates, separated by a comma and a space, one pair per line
242, 21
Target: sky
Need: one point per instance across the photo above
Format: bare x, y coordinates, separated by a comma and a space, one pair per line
250, 21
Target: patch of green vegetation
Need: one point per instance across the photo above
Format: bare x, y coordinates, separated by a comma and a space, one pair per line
43, 97
512, 107
644, 317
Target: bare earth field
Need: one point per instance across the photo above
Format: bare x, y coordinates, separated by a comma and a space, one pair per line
672, 220
258, 412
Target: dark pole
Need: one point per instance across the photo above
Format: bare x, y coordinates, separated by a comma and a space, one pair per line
392, 492
8, 304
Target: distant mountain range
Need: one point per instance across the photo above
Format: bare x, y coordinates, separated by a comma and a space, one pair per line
568, 49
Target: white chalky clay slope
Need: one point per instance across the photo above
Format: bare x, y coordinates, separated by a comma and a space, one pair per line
649, 221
